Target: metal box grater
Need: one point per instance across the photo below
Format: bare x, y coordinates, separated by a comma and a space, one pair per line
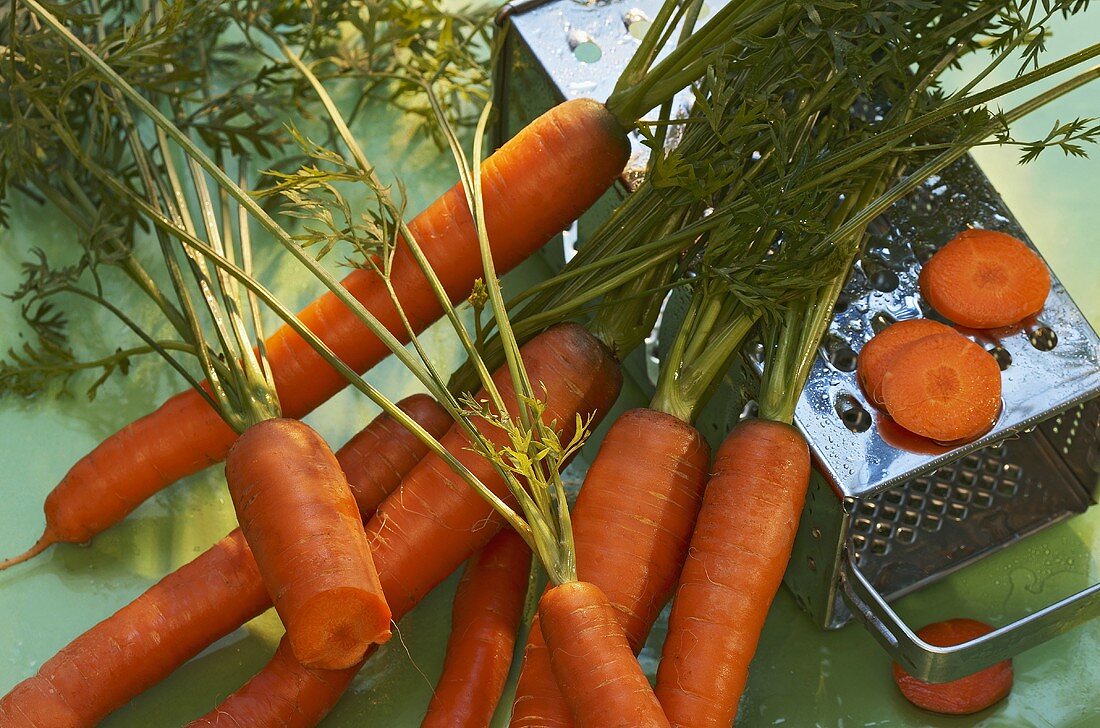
881, 520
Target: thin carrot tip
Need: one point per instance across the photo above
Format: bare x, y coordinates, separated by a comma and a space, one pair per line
43, 543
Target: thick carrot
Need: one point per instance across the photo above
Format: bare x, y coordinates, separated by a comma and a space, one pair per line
301, 521
435, 521
533, 187
594, 665
738, 554
944, 387
631, 527
185, 612
963, 696
486, 615
876, 353
984, 279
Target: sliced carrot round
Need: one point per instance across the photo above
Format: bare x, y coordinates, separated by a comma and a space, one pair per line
876, 353
984, 279
944, 387
963, 696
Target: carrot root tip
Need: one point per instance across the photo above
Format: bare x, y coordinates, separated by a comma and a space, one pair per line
43, 543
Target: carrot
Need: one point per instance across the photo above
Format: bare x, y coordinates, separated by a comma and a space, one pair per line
434, 506
301, 521
378, 456
434, 521
876, 353
316, 690
202, 601
944, 387
486, 615
738, 554
631, 527
533, 187
985, 279
140, 644
963, 696
595, 666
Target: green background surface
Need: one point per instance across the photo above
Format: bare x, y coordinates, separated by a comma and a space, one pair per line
800, 677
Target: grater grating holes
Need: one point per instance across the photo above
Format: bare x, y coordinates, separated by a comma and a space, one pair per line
923, 504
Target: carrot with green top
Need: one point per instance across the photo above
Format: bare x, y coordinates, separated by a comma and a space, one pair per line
434, 521
735, 566
631, 526
486, 615
534, 187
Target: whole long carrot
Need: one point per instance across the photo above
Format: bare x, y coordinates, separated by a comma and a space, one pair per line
533, 187
195, 605
631, 525
738, 554
486, 615
435, 521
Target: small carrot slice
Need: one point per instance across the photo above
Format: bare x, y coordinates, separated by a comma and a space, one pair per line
944, 387
876, 353
963, 696
984, 279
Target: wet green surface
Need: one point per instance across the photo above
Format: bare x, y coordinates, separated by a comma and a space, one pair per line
801, 676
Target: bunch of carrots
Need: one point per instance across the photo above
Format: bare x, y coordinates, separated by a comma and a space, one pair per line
341, 544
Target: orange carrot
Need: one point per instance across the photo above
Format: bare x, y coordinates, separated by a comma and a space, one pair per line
984, 279
594, 665
738, 554
963, 696
876, 353
486, 615
434, 521
139, 645
434, 506
533, 187
631, 527
944, 387
378, 456
185, 612
301, 521
316, 692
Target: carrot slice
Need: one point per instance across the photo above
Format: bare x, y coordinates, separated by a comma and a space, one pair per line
876, 353
944, 387
963, 696
984, 279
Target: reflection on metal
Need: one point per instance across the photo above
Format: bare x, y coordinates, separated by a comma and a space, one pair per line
882, 518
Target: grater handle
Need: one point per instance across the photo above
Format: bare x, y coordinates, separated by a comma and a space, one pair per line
943, 664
